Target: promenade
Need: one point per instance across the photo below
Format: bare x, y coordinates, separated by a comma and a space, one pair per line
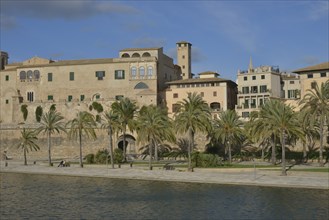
245, 176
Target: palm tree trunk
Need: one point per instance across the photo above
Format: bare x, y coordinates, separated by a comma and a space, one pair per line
304, 152
150, 153
273, 158
25, 160
190, 149
111, 147
321, 141
80, 142
155, 151
124, 145
263, 152
284, 172
49, 148
229, 153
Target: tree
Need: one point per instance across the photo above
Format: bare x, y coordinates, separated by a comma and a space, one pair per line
316, 104
51, 122
283, 122
24, 111
84, 123
38, 113
27, 142
153, 127
125, 110
111, 123
228, 129
193, 115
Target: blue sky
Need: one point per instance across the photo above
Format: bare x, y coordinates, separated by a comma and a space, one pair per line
224, 34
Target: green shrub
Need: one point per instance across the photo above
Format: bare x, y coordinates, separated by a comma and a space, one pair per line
101, 156
90, 158
98, 107
118, 155
24, 111
53, 107
205, 160
38, 113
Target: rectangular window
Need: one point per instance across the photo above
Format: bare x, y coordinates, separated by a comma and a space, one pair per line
291, 94
71, 76
324, 74
263, 88
30, 96
175, 95
254, 89
313, 85
82, 97
119, 74
262, 76
7, 77
245, 90
50, 98
201, 94
100, 75
69, 98
245, 78
183, 56
118, 97
310, 75
214, 93
253, 77
245, 114
183, 66
291, 82
50, 77
7, 101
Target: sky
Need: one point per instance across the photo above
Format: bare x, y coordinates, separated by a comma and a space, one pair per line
291, 34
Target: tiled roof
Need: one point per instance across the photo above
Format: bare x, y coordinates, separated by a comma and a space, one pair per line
321, 66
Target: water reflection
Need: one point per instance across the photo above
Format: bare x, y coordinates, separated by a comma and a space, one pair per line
60, 197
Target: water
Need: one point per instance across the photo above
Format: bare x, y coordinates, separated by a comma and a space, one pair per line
26, 196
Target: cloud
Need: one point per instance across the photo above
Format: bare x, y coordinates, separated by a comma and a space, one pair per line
68, 10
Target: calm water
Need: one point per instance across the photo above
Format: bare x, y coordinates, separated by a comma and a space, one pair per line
25, 196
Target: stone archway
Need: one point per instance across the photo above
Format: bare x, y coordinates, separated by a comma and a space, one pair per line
130, 144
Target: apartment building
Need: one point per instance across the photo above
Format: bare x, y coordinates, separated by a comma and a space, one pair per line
219, 93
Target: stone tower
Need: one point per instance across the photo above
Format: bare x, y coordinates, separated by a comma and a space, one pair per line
184, 58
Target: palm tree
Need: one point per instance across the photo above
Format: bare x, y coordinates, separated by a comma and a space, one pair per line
153, 127
51, 122
283, 122
27, 142
84, 123
228, 129
193, 115
111, 124
125, 110
316, 103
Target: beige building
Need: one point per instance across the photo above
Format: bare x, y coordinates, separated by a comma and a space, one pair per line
318, 73
219, 93
255, 86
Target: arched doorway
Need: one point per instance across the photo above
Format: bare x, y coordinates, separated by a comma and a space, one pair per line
130, 144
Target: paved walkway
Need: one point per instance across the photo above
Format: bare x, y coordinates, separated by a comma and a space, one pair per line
245, 176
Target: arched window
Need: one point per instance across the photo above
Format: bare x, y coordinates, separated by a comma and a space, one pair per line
29, 75
133, 72
141, 85
22, 75
215, 106
141, 72
146, 54
125, 55
36, 74
149, 72
136, 55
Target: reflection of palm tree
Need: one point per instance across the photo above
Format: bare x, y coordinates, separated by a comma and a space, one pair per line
125, 110
84, 123
112, 125
316, 104
51, 122
193, 115
228, 129
27, 142
153, 127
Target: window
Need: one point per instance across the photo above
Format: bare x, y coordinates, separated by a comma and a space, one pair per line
253, 77
261, 102
69, 98
7, 101
201, 94
245, 78
262, 76
313, 85
133, 72
291, 82
22, 75
36, 74
175, 95
30, 75
141, 72
324, 74
50, 77
245, 90
30, 96
119, 74
310, 75
291, 94
263, 88
82, 97
98, 96
183, 56
7, 77
71, 76
100, 75
183, 66
214, 93
254, 89
119, 97
149, 72
50, 97
245, 114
